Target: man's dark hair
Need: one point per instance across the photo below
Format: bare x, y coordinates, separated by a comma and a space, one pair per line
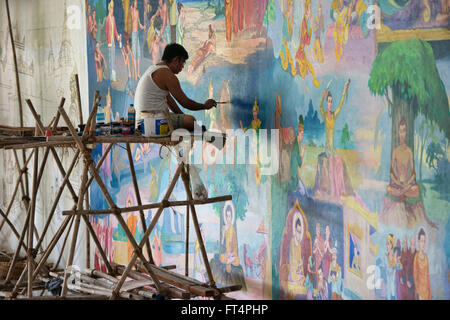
174, 50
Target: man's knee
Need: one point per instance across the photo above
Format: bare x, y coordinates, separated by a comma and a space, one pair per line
188, 122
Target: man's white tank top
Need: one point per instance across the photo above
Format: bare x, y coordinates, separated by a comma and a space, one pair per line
150, 97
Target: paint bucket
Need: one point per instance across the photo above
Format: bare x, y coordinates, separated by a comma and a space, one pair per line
154, 124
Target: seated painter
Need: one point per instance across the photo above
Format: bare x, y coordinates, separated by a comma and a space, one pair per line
403, 177
159, 87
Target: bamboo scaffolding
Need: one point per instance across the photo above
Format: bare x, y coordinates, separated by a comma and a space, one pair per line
53, 243
148, 280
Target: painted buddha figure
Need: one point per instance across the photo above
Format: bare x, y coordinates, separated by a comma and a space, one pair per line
403, 177
229, 240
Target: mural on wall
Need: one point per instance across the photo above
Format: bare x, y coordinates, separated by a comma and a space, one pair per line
359, 205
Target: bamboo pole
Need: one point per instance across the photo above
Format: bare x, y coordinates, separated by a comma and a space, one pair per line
148, 231
97, 243
17, 252
98, 282
61, 253
31, 224
88, 238
100, 163
41, 172
45, 256
80, 110
33, 145
55, 155
173, 292
102, 275
13, 229
84, 176
88, 163
67, 181
138, 198
19, 180
186, 255
93, 113
58, 196
24, 169
108, 198
165, 204
27, 225
186, 183
19, 94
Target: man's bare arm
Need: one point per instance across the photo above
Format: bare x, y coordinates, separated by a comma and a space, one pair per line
173, 105
173, 85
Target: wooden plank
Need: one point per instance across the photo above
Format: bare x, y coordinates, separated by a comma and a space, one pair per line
166, 140
41, 144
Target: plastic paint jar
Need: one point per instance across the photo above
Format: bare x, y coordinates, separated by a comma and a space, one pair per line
155, 124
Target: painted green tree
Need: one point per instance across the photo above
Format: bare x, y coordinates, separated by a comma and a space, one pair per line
345, 136
232, 183
405, 73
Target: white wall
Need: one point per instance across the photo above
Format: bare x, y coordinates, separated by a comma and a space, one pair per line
51, 48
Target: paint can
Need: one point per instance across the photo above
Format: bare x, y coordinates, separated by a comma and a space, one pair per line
127, 129
115, 128
154, 124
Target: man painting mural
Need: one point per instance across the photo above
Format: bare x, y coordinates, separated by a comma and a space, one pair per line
111, 36
159, 87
